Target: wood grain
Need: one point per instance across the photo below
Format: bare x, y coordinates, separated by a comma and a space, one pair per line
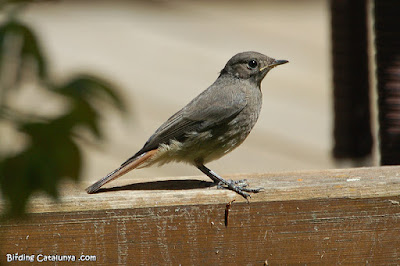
345, 216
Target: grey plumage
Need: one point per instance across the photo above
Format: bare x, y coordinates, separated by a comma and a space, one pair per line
212, 124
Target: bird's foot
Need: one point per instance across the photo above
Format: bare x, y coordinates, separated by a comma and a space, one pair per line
239, 186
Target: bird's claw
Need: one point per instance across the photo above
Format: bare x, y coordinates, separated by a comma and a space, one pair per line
239, 186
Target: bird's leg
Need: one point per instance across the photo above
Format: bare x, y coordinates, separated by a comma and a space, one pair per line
239, 187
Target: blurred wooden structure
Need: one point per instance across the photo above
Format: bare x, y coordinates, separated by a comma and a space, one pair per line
351, 78
387, 43
328, 217
351, 84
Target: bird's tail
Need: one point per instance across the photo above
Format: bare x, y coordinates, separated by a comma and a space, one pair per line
123, 169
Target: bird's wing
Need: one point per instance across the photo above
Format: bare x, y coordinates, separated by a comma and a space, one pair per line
214, 106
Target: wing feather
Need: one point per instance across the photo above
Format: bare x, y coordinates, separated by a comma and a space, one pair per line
214, 106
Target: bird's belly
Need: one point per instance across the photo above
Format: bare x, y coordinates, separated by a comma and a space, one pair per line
204, 146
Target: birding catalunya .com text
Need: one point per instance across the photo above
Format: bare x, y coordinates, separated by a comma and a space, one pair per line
48, 258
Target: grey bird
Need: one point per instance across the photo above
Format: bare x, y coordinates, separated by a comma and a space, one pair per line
213, 124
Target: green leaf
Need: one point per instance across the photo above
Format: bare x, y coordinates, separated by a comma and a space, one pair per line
54, 140
88, 98
23, 42
51, 153
82, 114
92, 89
15, 183
51, 156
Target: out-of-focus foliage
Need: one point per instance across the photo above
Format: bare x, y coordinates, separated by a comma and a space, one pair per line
51, 152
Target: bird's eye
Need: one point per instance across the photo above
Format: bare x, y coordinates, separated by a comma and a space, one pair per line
252, 63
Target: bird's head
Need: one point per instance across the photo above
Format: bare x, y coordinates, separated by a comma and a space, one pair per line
251, 65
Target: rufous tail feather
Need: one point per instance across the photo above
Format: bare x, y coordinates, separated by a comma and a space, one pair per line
123, 169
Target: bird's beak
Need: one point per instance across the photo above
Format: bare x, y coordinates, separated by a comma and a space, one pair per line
278, 62
274, 64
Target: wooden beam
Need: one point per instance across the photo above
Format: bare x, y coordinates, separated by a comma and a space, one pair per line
323, 216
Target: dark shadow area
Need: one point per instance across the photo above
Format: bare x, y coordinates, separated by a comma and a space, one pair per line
163, 185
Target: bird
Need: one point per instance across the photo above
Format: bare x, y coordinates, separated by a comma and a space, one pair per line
211, 125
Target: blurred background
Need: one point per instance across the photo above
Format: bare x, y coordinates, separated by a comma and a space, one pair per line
161, 54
